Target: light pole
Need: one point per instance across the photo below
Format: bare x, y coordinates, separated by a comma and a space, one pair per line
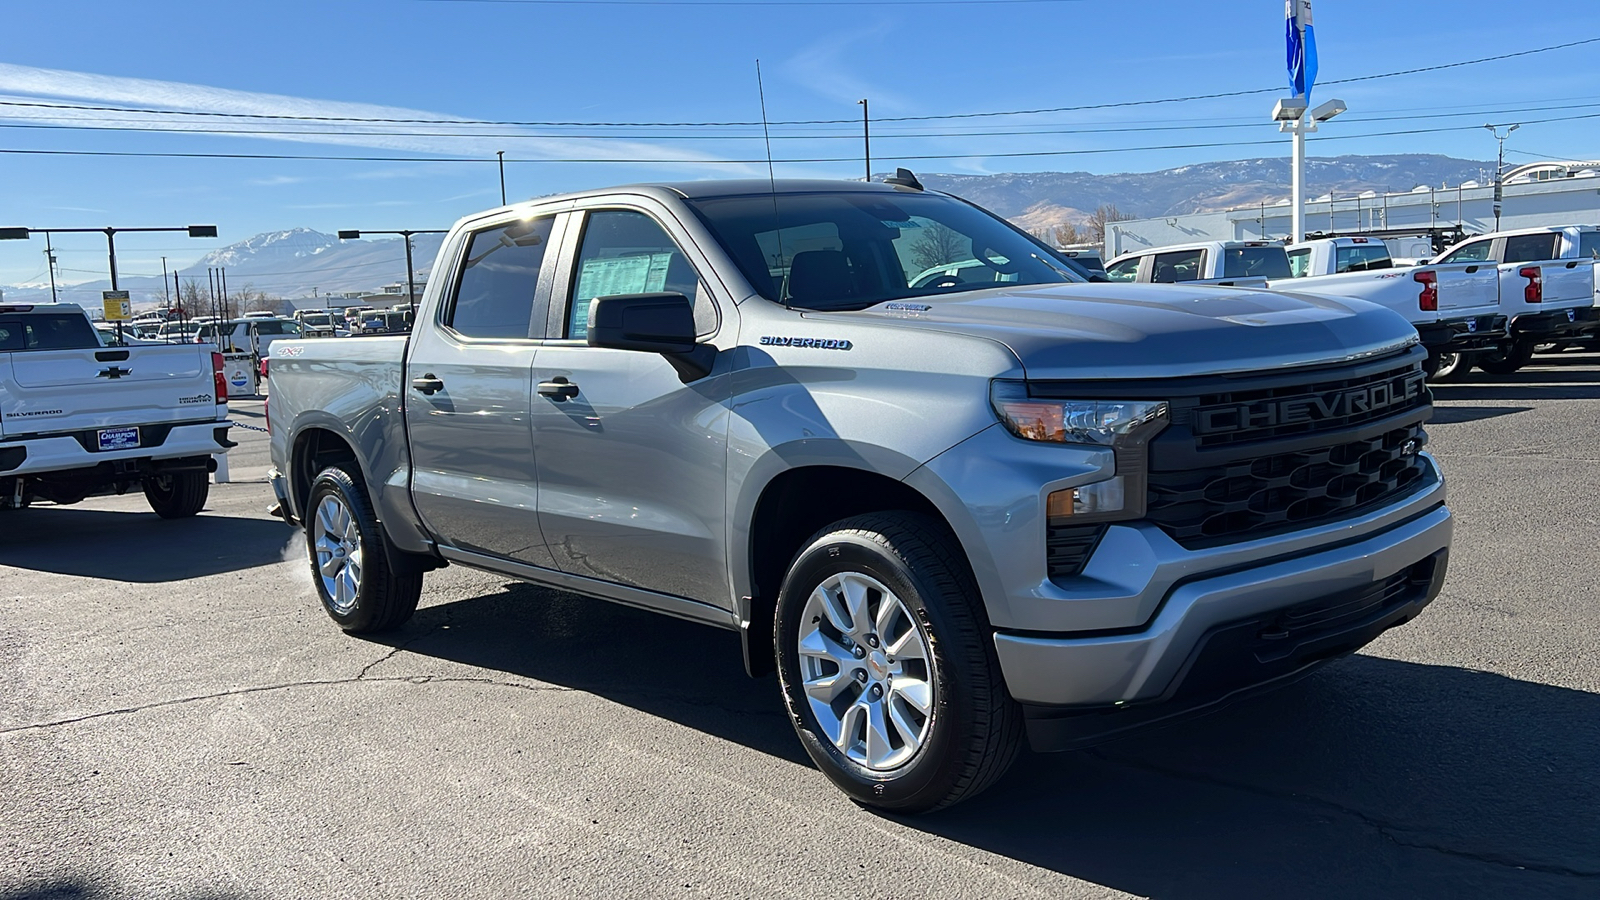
1500, 166
501, 155
1292, 116
411, 280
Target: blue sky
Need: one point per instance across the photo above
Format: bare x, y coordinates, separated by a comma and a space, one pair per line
511, 61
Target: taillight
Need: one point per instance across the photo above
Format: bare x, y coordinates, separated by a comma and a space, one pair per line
1428, 299
1534, 292
219, 380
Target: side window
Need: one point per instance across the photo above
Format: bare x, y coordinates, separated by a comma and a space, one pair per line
1182, 265
269, 326
1589, 245
1127, 270
1477, 251
1531, 247
627, 252
1299, 261
495, 296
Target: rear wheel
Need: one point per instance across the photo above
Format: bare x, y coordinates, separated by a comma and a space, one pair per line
886, 666
177, 495
1447, 366
1507, 358
350, 560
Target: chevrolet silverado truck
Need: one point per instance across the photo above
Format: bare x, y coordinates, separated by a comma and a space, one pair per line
1547, 289
950, 516
78, 418
1223, 263
1455, 308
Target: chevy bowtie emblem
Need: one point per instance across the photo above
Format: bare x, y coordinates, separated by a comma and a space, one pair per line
114, 373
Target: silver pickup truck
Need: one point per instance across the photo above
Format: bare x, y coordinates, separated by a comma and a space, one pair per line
1001, 502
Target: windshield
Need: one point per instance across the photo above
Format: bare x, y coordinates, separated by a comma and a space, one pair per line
854, 250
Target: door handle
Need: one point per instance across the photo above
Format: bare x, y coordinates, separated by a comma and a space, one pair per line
427, 384
558, 389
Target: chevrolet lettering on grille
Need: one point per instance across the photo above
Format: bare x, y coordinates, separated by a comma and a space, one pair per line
1394, 394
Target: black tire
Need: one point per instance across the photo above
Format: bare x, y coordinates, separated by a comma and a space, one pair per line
384, 598
1448, 367
1505, 359
178, 495
975, 729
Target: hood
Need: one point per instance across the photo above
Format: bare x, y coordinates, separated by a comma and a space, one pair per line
1152, 330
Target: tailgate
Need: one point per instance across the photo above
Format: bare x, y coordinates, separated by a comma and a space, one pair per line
1568, 282
47, 391
1467, 288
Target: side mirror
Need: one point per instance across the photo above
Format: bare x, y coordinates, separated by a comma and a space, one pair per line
654, 323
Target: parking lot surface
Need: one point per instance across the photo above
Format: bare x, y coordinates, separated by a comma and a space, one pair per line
180, 719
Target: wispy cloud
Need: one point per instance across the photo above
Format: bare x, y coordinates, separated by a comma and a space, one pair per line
277, 180
428, 135
825, 68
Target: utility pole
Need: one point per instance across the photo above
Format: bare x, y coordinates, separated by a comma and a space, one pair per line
164, 282
227, 312
1500, 167
50, 262
866, 137
501, 155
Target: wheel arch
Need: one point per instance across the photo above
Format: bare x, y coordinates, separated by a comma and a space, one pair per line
791, 507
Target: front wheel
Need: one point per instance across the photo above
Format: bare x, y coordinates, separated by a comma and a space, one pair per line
177, 495
886, 667
1506, 359
349, 563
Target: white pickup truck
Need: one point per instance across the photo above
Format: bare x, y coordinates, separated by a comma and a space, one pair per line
1547, 288
1223, 263
1455, 308
78, 418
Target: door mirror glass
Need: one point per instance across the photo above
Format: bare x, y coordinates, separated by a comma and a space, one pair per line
655, 322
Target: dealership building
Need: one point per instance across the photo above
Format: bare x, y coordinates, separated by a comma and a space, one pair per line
1538, 194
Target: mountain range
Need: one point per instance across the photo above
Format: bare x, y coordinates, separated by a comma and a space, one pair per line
300, 262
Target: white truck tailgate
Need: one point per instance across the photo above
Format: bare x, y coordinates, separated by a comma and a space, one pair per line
44, 391
1470, 286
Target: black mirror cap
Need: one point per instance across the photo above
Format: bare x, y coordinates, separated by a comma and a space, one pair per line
655, 323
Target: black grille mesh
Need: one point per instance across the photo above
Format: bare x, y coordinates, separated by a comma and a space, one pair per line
1264, 495
1067, 547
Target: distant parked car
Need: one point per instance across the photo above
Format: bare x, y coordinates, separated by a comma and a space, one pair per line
247, 335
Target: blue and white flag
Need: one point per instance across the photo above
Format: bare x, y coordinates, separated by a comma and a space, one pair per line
1302, 42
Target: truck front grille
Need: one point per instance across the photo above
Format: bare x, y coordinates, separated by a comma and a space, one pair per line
1259, 496
1337, 402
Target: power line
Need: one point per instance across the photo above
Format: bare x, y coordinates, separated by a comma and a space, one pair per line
947, 116
756, 2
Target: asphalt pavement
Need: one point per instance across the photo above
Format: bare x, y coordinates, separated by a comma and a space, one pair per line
180, 719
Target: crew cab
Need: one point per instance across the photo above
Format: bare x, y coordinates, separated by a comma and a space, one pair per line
1224, 263
79, 419
1547, 288
949, 513
1455, 308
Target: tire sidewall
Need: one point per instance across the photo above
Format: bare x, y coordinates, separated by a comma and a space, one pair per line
336, 482
936, 766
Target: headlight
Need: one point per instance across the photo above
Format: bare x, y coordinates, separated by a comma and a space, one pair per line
1124, 426
1107, 423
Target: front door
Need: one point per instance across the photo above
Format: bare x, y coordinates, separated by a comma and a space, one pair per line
468, 390
632, 467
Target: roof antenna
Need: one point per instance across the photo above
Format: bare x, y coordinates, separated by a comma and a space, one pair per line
904, 178
772, 179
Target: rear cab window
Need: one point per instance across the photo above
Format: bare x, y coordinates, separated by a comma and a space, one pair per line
1364, 258
47, 331
1125, 271
1299, 262
1589, 245
1477, 251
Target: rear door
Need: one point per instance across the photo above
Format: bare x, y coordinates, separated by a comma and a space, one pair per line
633, 465
58, 378
467, 388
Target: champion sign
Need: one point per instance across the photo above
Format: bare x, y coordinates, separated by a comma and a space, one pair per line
1394, 394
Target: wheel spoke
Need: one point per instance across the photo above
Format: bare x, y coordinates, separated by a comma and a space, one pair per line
855, 603
916, 693
910, 735
908, 645
878, 746
888, 614
849, 727
330, 566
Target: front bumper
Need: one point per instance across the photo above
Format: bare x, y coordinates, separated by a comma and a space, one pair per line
1464, 334
1573, 322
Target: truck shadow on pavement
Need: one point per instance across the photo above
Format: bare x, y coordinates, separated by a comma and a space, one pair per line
84, 889
137, 547
1371, 778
